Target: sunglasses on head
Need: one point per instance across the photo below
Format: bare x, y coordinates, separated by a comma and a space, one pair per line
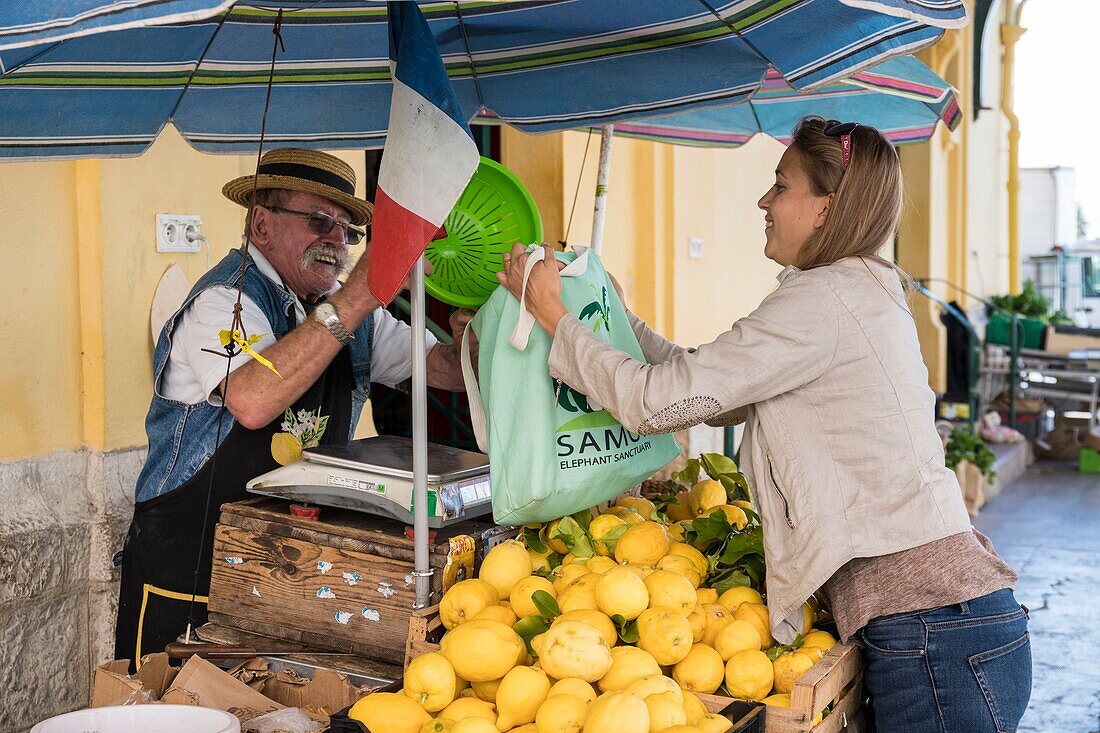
321, 223
844, 131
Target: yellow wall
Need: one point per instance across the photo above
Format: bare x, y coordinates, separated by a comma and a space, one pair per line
660, 196
82, 267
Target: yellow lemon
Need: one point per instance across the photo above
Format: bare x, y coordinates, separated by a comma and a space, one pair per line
642, 571
681, 508
499, 613
734, 515
631, 516
670, 590
705, 496
702, 670
483, 649
556, 544
818, 639
430, 681
573, 649
787, 668
702, 565
676, 531
465, 600
504, 566
599, 528
438, 726
566, 574
749, 675
717, 616
519, 696
285, 448
468, 707
698, 620
561, 714
808, 617
682, 566
600, 564
779, 700
617, 712
665, 711
684, 729
574, 687
593, 618
540, 561
714, 723
653, 684
664, 633
813, 653
620, 592
628, 663
474, 725
705, 595
522, 591
486, 691
694, 709
643, 544
578, 597
736, 636
757, 615
639, 504
739, 594
389, 712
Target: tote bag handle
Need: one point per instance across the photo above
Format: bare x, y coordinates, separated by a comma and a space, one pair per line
522, 332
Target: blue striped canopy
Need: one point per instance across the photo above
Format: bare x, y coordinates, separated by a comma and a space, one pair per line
539, 66
901, 97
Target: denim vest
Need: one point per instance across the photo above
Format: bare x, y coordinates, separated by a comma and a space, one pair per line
183, 437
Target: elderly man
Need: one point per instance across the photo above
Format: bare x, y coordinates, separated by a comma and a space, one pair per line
327, 343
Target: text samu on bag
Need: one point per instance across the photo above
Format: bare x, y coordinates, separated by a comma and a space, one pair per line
552, 451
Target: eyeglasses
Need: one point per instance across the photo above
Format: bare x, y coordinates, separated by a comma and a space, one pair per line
844, 131
321, 223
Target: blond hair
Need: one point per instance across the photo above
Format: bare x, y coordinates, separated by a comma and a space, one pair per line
867, 195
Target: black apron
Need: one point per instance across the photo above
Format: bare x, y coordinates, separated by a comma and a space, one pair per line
166, 536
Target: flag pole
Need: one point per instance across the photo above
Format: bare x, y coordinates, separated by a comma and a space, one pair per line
602, 177
422, 572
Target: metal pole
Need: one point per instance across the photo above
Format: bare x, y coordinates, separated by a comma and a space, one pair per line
420, 439
1013, 370
602, 176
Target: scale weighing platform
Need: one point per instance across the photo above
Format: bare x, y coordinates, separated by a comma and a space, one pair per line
374, 475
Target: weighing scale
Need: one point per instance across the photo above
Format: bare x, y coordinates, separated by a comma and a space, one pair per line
375, 476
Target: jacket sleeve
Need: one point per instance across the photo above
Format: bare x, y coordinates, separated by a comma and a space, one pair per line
655, 347
788, 341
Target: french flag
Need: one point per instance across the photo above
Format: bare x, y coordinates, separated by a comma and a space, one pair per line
429, 157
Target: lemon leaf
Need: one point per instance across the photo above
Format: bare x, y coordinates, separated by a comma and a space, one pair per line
546, 604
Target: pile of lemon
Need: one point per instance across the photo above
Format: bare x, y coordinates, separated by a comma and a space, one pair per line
578, 673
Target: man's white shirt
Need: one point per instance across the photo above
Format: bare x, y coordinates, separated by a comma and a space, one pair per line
192, 375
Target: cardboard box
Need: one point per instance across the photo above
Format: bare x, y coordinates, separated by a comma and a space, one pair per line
248, 690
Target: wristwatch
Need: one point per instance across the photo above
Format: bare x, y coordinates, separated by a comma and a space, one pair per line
326, 315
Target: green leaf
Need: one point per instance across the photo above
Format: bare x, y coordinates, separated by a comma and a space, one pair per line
689, 474
717, 465
748, 542
612, 536
627, 630
574, 537
729, 579
554, 560
583, 518
736, 486
712, 527
534, 542
546, 604
529, 627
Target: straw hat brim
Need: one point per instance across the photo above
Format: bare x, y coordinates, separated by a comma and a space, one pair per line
239, 191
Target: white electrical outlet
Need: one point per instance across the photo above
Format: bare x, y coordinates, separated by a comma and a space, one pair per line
179, 232
695, 248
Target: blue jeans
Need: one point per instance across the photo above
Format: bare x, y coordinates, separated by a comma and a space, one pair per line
964, 668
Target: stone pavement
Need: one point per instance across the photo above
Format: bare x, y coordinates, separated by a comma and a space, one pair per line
1047, 526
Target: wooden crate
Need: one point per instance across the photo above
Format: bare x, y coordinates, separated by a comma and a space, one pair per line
835, 680
343, 583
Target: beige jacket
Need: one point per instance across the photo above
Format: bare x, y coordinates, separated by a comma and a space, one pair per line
840, 446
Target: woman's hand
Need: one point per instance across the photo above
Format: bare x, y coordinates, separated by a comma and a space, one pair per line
543, 296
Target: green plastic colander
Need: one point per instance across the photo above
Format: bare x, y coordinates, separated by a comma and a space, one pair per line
494, 212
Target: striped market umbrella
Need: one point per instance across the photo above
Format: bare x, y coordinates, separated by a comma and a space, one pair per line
71, 87
901, 97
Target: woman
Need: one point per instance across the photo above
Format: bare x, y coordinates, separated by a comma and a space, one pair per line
840, 445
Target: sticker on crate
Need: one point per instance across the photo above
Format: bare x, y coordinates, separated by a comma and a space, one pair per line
386, 589
325, 592
370, 614
235, 560
352, 578
342, 617
324, 566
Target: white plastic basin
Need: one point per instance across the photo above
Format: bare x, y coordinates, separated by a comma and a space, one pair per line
142, 719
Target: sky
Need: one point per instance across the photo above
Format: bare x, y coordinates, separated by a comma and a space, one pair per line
1057, 97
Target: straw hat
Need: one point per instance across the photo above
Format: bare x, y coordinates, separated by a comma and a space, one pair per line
309, 171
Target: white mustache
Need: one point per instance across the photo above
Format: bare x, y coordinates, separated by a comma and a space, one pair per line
321, 253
